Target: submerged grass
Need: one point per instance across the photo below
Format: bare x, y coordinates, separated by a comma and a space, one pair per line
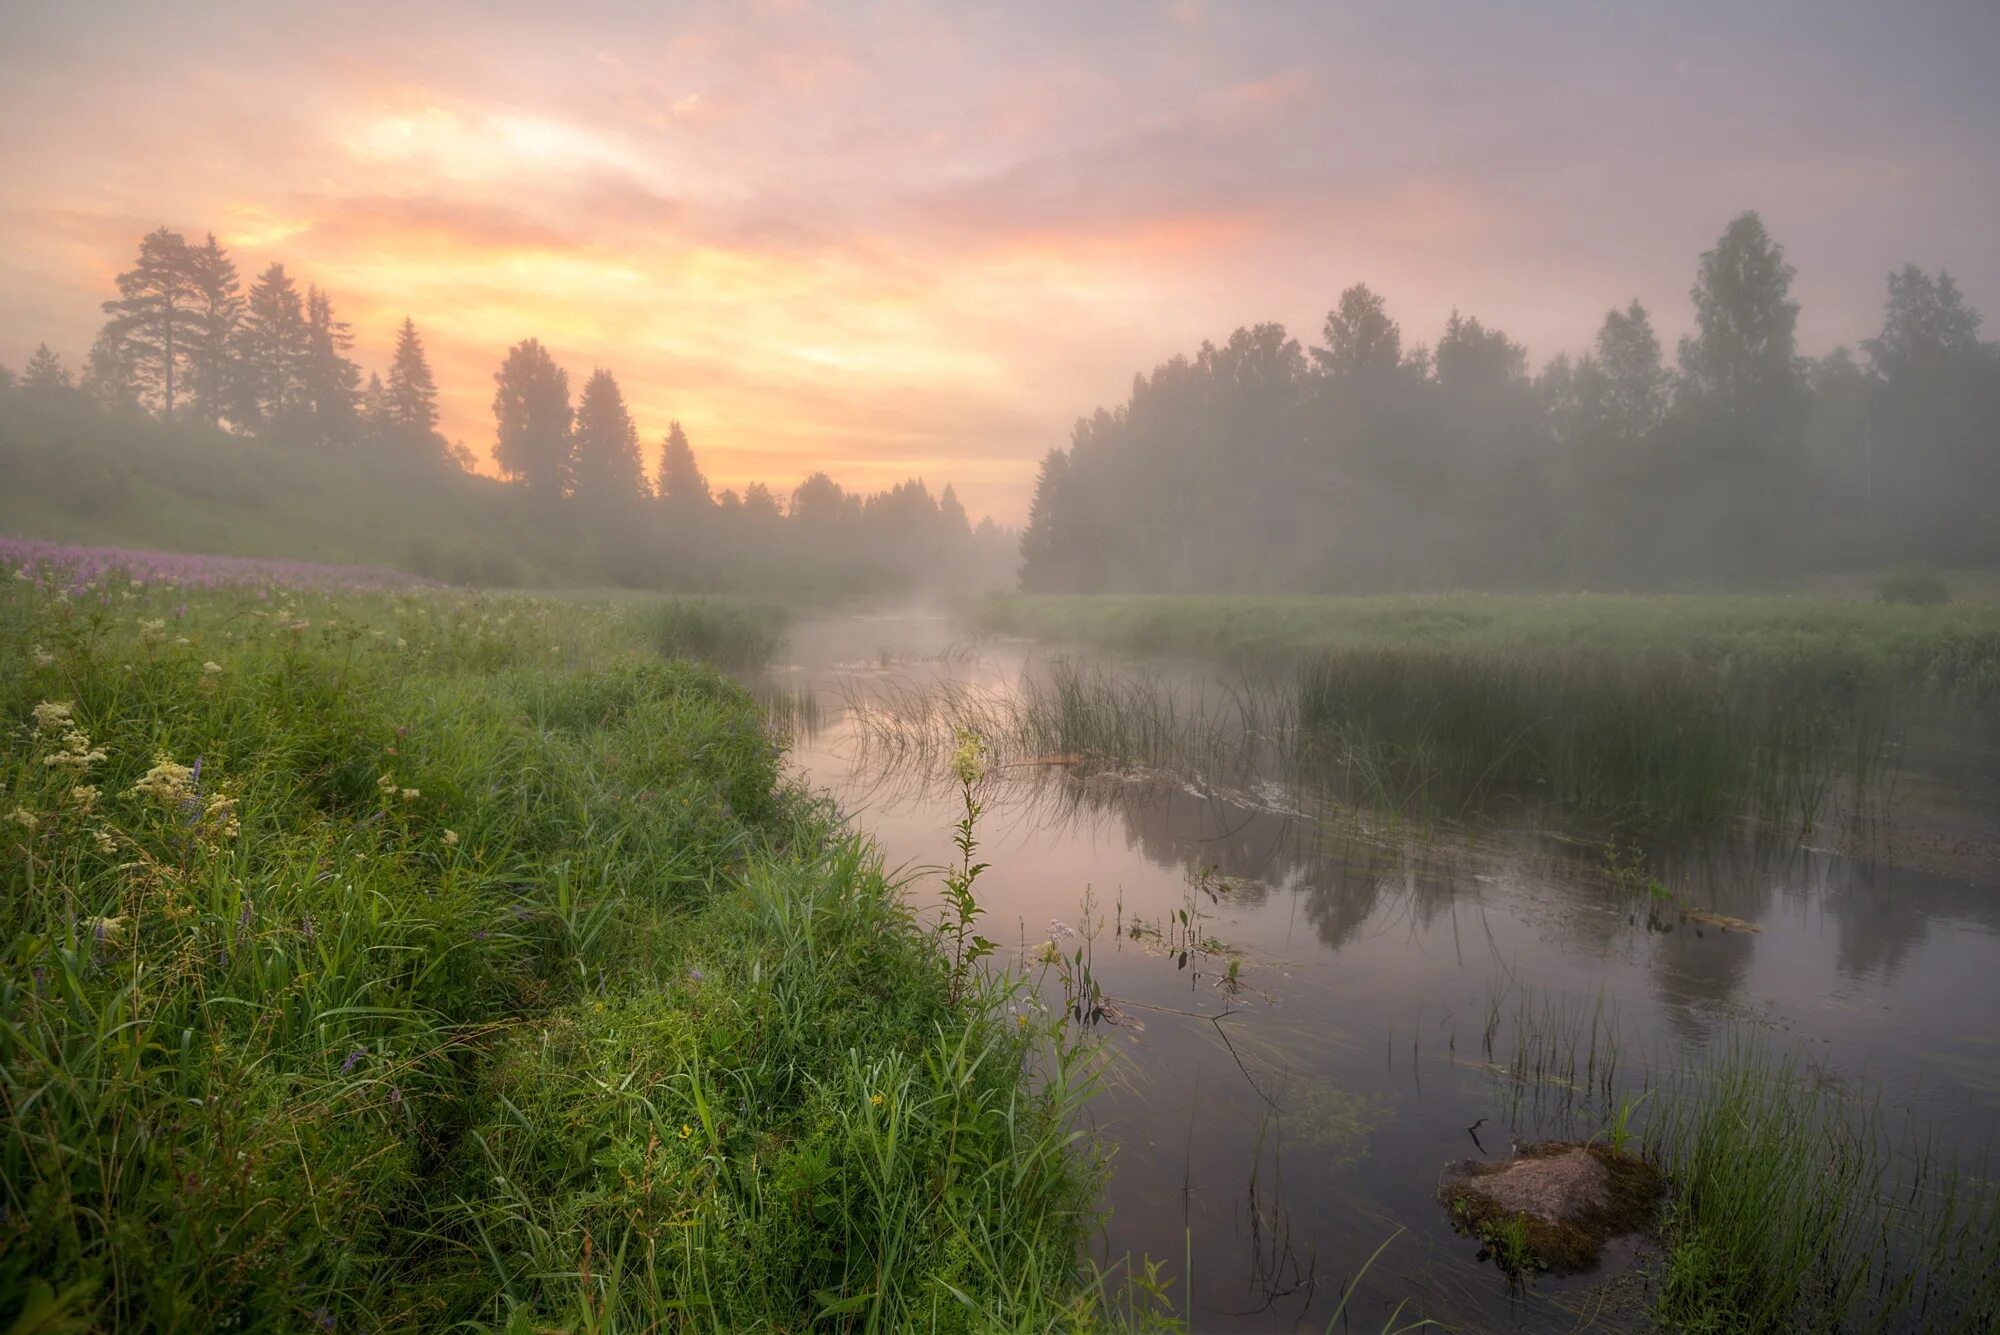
392, 963
1791, 1205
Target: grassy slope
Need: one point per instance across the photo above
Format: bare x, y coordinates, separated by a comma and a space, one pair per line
523, 996
96, 479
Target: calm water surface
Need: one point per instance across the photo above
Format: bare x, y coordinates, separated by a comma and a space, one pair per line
1276, 1132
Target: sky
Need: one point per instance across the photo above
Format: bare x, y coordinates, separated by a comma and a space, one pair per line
899, 239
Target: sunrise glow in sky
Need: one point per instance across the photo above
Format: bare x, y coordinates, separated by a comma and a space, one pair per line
901, 239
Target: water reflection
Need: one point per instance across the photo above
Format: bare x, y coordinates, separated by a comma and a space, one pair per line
1277, 1127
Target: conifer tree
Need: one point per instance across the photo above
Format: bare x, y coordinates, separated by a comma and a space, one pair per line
273, 346
532, 415
680, 482
218, 308
155, 320
45, 373
605, 465
410, 398
329, 382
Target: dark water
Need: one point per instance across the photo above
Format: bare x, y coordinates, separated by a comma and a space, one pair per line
1274, 1131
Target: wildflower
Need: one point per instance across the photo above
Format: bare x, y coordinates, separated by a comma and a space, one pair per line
352, 1058
152, 630
169, 781
686, 1131
411, 794
219, 816
42, 657
51, 716
24, 818
210, 668
76, 755
84, 796
451, 839
875, 1100
107, 931
1060, 930
970, 758
694, 975
387, 783
105, 841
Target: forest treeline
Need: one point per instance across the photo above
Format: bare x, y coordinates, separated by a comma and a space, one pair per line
191, 366
1364, 463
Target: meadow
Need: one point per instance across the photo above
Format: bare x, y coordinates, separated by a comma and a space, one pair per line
423, 961
1656, 708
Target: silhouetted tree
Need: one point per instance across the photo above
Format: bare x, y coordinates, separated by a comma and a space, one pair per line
606, 471
532, 412
1740, 408
273, 346
680, 482
45, 373
409, 401
329, 382
155, 319
218, 307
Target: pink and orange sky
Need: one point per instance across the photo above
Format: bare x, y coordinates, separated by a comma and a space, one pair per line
903, 239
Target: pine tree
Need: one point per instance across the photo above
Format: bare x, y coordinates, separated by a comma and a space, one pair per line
605, 463
211, 346
273, 346
108, 377
951, 513
680, 482
155, 319
410, 400
329, 381
45, 373
532, 415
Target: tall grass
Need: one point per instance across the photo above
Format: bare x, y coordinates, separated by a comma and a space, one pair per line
423, 962
727, 632
1663, 739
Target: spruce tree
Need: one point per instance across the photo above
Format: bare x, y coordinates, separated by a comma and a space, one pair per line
531, 415
410, 398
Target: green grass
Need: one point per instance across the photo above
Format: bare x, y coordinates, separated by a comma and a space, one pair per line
484, 976
1660, 709
730, 633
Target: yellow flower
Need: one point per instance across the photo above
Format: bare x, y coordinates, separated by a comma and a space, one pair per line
970, 758
24, 818
875, 1099
686, 1130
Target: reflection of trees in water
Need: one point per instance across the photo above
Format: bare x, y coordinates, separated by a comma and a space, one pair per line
1345, 874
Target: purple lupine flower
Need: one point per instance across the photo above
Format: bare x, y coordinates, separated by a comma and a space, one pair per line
395, 1095
352, 1058
694, 975
243, 918
322, 1317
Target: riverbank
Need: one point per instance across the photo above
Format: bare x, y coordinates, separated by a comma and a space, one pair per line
389, 961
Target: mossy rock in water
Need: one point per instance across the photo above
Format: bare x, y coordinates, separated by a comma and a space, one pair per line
1553, 1205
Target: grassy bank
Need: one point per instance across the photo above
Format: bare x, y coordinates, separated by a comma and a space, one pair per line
382, 962
1661, 708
